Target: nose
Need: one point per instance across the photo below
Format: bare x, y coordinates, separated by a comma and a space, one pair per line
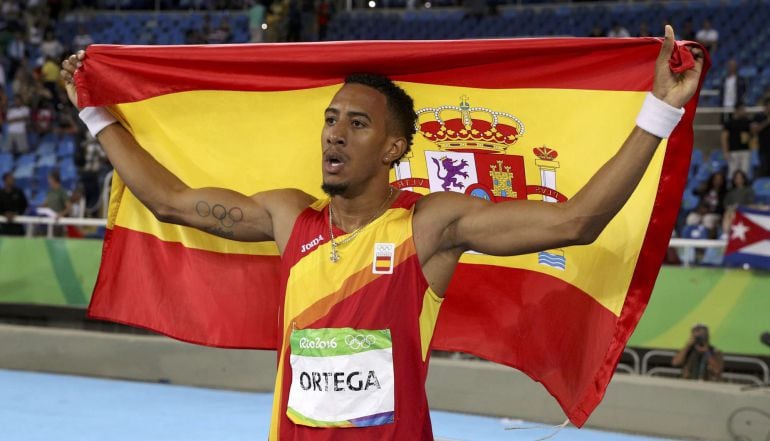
335, 137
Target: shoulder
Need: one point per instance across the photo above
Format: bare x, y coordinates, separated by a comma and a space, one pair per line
443, 208
285, 201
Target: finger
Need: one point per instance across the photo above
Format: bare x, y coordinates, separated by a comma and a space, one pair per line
66, 65
668, 44
81, 55
696, 70
73, 59
66, 76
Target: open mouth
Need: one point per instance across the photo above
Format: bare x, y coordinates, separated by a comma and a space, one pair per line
333, 162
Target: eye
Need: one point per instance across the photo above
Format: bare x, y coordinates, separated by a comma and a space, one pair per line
330, 120
358, 124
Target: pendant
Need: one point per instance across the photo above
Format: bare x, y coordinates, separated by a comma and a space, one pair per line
334, 256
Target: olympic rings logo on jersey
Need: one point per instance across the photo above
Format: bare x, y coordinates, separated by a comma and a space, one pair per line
358, 342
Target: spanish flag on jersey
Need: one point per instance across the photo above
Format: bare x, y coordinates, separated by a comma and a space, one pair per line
499, 119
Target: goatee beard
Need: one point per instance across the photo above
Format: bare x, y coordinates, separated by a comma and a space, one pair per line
334, 189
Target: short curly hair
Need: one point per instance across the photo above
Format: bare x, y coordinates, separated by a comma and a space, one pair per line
400, 105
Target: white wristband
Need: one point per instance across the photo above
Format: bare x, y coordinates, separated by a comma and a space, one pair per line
657, 117
96, 119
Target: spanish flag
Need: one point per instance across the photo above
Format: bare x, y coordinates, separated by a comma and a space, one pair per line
498, 119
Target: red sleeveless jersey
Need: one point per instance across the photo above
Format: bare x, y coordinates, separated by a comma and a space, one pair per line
355, 333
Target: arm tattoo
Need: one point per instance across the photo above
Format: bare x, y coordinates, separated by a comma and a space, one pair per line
226, 217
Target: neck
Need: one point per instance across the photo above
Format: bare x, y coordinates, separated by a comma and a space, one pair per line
350, 213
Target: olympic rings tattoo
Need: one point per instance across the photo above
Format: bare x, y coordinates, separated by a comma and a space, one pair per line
226, 217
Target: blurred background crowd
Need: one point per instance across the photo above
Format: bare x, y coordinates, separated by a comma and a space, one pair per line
45, 154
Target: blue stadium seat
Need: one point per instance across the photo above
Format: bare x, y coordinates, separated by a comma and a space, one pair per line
66, 146
762, 190
47, 160
689, 201
27, 159
38, 198
6, 161
695, 232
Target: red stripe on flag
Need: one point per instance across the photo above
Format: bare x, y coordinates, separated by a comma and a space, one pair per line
572, 63
233, 303
537, 323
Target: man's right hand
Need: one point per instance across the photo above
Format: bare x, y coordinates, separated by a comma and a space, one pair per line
69, 66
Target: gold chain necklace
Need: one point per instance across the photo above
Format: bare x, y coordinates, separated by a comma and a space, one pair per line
334, 256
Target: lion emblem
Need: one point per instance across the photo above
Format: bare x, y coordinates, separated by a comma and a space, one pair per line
453, 170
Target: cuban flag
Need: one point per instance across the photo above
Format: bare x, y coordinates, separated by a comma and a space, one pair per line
748, 242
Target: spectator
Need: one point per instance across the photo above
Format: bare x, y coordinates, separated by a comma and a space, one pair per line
733, 88
49, 75
699, 359
77, 202
294, 21
57, 201
324, 15
50, 47
710, 209
618, 31
35, 35
644, 30
44, 118
736, 136
596, 31
256, 21
687, 32
194, 36
220, 35
18, 117
740, 194
17, 53
93, 170
708, 37
761, 129
12, 203
82, 40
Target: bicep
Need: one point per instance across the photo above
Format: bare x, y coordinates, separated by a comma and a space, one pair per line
222, 212
513, 227
226, 213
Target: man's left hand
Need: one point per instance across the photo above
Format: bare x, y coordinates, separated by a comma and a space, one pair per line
675, 89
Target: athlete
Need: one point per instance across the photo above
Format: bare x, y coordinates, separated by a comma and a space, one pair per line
355, 334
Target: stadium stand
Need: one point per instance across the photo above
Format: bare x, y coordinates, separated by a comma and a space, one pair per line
740, 23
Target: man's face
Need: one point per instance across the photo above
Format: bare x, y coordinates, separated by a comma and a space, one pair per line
700, 334
8, 182
354, 138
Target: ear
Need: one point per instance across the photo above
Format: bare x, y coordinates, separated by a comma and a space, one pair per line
394, 151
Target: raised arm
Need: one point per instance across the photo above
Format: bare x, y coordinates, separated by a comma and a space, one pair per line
226, 213
520, 227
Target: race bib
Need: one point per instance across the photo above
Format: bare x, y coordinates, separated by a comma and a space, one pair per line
341, 377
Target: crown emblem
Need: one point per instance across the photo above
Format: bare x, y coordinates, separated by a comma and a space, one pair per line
469, 128
545, 153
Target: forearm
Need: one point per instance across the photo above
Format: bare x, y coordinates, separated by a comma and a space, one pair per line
680, 356
604, 195
153, 184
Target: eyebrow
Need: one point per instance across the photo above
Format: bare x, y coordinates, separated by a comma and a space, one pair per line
350, 114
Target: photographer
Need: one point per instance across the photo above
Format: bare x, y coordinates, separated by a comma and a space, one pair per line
698, 359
